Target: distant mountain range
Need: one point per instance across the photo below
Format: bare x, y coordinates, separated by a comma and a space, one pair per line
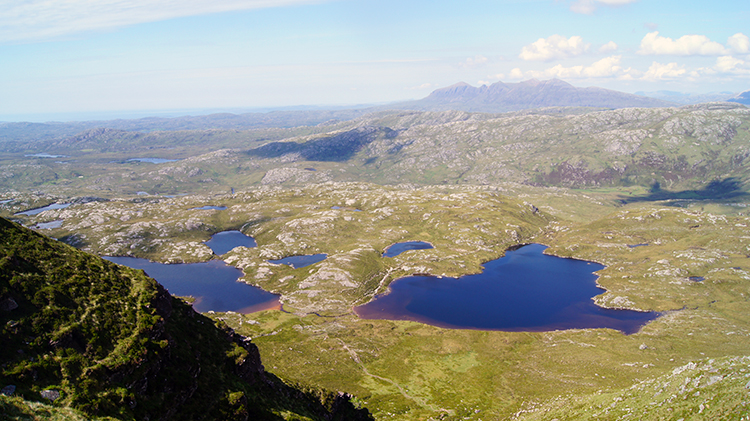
496, 98
742, 98
686, 98
504, 97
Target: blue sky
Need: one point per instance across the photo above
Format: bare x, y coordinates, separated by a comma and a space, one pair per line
78, 56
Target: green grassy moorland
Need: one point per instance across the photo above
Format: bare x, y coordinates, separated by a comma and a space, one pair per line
671, 181
410, 371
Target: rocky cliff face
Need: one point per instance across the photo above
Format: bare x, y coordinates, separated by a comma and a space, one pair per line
108, 340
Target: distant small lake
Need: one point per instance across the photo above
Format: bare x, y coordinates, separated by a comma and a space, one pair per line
525, 290
398, 248
2, 202
213, 284
151, 160
222, 242
37, 211
209, 207
45, 155
49, 225
300, 261
346, 208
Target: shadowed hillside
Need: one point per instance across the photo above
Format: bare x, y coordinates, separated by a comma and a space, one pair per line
82, 332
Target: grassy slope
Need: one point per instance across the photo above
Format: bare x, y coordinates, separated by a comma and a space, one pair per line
404, 370
15, 408
113, 342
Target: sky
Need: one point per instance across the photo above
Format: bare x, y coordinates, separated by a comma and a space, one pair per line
65, 59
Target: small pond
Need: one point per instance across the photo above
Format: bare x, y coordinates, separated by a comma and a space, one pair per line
398, 248
213, 285
151, 160
2, 202
49, 225
222, 242
346, 208
525, 290
210, 207
300, 261
45, 155
37, 211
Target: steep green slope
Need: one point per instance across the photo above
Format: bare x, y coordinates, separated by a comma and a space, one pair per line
710, 389
83, 332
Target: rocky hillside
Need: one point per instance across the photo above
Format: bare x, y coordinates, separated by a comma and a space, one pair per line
81, 332
679, 148
684, 151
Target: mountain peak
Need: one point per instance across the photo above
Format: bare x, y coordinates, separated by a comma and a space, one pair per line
528, 94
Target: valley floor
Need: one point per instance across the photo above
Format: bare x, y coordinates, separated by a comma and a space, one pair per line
690, 363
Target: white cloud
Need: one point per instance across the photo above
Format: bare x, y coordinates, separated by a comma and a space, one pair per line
732, 65
659, 71
44, 19
588, 7
608, 47
688, 45
516, 74
475, 61
604, 68
725, 68
554, 47
739, 43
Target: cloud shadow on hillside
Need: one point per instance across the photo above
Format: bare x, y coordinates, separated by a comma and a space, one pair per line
728, 188
337, 148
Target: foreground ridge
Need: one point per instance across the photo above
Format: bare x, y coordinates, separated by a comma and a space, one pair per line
81, 332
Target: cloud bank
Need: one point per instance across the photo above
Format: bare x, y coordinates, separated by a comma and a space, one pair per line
612, 68
553, 48
688, 45
44, 19
692, 45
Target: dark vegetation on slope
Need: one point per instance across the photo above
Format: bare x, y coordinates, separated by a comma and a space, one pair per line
338, 148
112, 341
728, 188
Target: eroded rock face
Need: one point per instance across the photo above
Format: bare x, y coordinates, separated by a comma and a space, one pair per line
52, 395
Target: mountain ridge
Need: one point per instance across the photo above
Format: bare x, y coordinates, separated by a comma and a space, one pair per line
528, 94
